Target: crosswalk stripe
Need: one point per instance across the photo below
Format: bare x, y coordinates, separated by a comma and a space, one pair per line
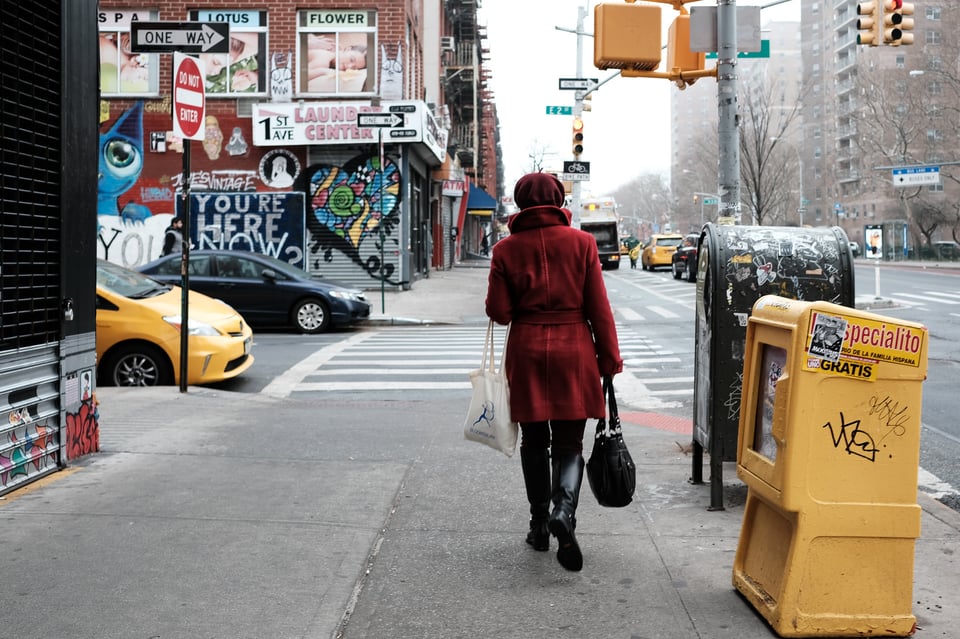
630, 314
441, 358
663, 312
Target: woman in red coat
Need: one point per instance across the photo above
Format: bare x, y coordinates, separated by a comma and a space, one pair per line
546, 280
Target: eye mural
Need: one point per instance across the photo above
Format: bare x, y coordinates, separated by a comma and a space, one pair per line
352, 209
121, 163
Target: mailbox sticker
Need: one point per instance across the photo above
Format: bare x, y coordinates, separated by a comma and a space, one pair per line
863, 339
826, 337
855, 368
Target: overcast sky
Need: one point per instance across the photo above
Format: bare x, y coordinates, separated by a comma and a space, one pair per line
627, 132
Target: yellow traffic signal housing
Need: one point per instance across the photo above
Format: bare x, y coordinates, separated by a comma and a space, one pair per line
626, 36
679, 55
868, 24
577, 137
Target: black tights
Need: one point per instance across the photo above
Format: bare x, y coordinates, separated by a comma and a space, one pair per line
566, 435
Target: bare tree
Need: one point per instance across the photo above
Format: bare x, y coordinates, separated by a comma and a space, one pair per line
644, 202
910, 118
766, 170
537, 153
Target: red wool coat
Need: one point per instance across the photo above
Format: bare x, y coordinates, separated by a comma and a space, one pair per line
546, 279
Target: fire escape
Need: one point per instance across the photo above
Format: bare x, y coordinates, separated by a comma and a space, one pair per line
472, 111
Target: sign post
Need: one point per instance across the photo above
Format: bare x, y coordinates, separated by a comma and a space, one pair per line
189, 114
381, 121
189, 118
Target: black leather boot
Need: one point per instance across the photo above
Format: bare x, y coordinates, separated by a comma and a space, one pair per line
567, 477
536, 478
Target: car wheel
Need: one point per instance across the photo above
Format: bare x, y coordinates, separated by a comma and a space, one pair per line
311, 316
138, 365
688, 273
676, 271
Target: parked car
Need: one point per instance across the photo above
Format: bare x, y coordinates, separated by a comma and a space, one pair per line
659, 250
265, 290
945, 250
138, 333
684, 260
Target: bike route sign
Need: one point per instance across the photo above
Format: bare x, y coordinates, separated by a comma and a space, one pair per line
576, 171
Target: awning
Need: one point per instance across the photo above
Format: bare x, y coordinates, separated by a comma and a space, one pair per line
479, 202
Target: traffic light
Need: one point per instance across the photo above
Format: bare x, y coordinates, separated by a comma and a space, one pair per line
895, 25
868, 24
577, 137
586, 103
679, 56
626, 36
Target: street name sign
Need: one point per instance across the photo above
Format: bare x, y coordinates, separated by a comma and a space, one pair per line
916, 175
559, 110
579, 84
379, 119
182, 37
189, 97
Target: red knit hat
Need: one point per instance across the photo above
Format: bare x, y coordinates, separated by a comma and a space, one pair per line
538, 189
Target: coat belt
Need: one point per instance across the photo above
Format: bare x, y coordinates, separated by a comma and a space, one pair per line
550, 318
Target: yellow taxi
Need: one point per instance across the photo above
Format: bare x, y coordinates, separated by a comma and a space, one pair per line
659, 250
138, 333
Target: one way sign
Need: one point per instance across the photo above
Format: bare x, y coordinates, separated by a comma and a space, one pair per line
180, 37
379, 119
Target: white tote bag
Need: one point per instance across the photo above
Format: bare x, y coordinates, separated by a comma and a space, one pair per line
488, 419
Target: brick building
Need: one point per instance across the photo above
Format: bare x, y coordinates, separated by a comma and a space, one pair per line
283, 167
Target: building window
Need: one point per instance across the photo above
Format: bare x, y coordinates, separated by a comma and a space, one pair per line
336, 52
934, 87
122, 72
934, 135
933, 37
901, 61
244, 71
935, 188
932, 13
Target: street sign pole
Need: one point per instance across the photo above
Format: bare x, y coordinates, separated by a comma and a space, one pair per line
381, 121
188, 99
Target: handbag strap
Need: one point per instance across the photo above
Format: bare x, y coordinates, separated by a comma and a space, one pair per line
486, 363
503, 353
614, 419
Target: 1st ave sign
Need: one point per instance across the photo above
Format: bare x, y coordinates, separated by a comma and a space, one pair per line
182, 37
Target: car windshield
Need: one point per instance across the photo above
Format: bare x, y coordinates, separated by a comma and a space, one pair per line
669, 241
123, 281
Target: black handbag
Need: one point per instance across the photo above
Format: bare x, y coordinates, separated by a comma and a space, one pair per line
611, 471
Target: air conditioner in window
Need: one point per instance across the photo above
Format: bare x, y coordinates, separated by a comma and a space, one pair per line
447, 43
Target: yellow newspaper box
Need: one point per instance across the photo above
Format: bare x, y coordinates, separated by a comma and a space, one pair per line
829, 447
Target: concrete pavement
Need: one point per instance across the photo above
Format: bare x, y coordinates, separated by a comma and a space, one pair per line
216, 515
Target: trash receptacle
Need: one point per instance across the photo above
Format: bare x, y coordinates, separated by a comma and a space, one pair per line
737, 265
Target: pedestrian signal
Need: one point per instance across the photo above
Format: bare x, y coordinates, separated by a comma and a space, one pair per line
626, 36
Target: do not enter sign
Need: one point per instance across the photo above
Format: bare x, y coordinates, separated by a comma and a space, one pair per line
188, 97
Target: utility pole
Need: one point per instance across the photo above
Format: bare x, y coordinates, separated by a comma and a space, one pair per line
728, 134
578, 113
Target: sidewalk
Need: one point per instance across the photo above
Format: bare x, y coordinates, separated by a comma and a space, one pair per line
215, 515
